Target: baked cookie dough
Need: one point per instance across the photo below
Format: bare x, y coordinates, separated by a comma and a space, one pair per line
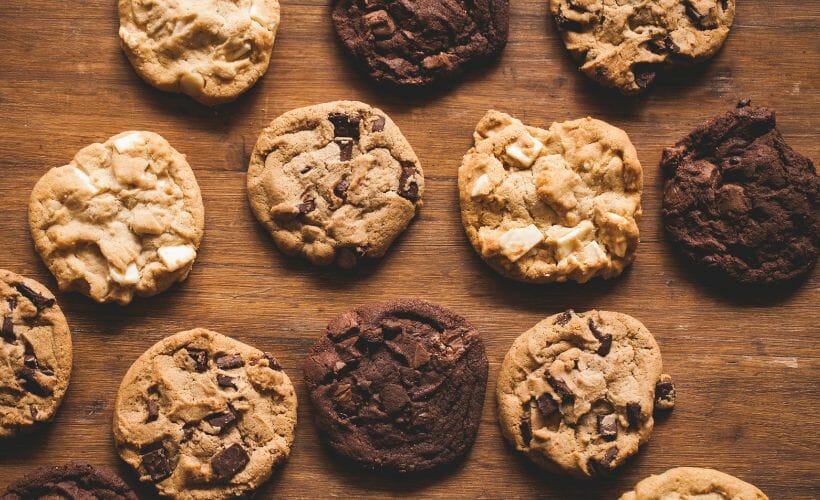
624, 43
419, 43
398, 386
212, 50
35, 354
124, 218
690, 483
576, 393
334, 182
201, 415
738, 200
550, 205
74, 480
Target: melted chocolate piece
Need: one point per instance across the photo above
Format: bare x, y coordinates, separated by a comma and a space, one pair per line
228, 462
561, 388
608, 426
273, 364
7, 331
38, 300
156, 464
31, 384
306, 207
604, 338
153, 410
633, 415
408, 187
604, 465
221, 420
546, 405
378, 124
200, 358
340, 189
345, 125
345, 148
563, 318
230, 361
526, 430
225, 381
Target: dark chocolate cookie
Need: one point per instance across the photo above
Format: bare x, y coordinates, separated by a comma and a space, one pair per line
415, 43
74, 480
739, 199
398, 386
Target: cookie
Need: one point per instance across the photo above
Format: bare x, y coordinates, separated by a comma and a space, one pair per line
211, 50
334, 182
124, 218
399, 386
74, 480
423, 42
35, 354
739, 201
623, 44
201, 415
550, 205
693, 482
576, 392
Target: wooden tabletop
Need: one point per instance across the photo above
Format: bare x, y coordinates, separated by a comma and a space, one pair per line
746, 365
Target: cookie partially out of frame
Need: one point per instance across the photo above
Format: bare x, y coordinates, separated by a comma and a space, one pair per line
75, 480
693, 482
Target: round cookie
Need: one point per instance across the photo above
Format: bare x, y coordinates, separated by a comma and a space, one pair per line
550, 205
422, 42
576, 392
740, 201
74, 480
212, 50
693, 482
334, 182
124, 218
398, 386
35, 354
624, 43
201, 415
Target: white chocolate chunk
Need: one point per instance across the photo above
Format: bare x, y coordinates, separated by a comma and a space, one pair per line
593, 254
177, 256
524, 151
572, 239
482, 186
85, 181
129, 142
191, 82
130, 277
515, 243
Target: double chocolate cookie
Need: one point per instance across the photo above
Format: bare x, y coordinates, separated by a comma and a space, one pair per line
71, 481
420, 42
691, 483
398, 386
35, 354
201, 415
740, 201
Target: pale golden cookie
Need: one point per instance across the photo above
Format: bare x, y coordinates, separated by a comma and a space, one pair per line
550, 205
124, 218
693, 483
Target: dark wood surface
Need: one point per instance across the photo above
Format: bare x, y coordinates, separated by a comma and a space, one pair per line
746, 364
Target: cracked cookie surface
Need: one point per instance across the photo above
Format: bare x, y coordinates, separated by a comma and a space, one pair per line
124, 218
576, 393
211, 50
417, 43
398, 386
550, 205
35, 354
739, 200
75, 480
693, 483
201, 415
334, 182
624, 43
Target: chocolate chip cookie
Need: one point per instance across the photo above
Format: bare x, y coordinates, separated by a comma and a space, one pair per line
124, 218
740, 201
74, 480
201, 415
625, 43
334, 182
550, 205
693, 482
398, 386
35, 354
422, 42
212, 50
576, 392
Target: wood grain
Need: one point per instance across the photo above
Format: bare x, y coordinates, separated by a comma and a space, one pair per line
746, 365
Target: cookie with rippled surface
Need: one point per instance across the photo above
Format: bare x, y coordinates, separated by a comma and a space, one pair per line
123, 218
201, 415
398, 386
690, 483
74, 480
577, 392
335, 182
35, 354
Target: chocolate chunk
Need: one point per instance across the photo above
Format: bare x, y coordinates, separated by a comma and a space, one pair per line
34, 411
378, 124
546, 405
222, 419
31, 384
608, 426
664, 393
306, 207
644, 74
345, 148
229, 461
526, 430
156, 464
394, 398
566, 24
744, 103
633, 415
697, 17
605, 339
563, 318
272, 363
188, 431
345, 125
225, 381
604, 465
230, 361
200, 358
408, 187
38, 300
421, 357
562, 389
153, 410
340, 188
7, 331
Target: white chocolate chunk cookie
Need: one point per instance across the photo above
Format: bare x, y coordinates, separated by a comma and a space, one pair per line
201, 415
212, 50
576, 392
334, 182
124, 218
35, 354
693, 483
550, 205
